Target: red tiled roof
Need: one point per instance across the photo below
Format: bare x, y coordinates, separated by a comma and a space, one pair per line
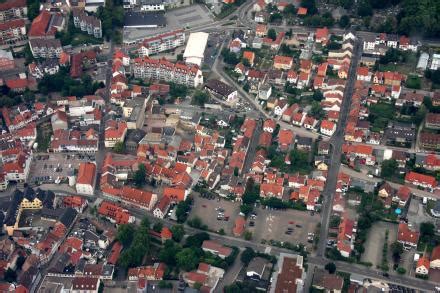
11, 24
86, 173
40, 25
420, 178
175, 194
406, 235
435, 254
423, 262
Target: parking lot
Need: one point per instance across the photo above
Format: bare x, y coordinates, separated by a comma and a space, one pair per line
54, 168
205, 209
283, 225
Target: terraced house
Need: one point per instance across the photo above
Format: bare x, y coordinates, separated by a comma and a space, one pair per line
87, 23
163, 69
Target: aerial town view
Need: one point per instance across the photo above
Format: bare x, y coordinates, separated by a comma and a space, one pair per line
281, 146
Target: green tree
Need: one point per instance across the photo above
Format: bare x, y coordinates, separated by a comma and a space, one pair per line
427, 231
125, 234
317, 96
33, 9
119, 147
200, 98
247, 235
396, 250
158, 226
365, 9
178, 232
168, 253
251, 193
140, 176
179, 57
344, 21
330, 267
246, 209
187, 259
245, 62
247, 255
388, 168
272, 34
401, 271
183, 209
310, 5
236, 171
316, 110
10, 276
196, 240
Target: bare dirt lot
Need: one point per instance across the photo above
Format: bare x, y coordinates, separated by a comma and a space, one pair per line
374, 244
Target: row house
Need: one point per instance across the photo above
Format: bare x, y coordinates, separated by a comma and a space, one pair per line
12, 31
74, 141
422, 180
390, 41
432, 121
46, 48
12, 9
17, 118
49, 67
429, 141
144, 199
162, 69
87, 23
115, 213
345, 239
161, 43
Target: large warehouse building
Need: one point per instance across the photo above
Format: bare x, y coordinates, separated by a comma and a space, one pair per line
195, 48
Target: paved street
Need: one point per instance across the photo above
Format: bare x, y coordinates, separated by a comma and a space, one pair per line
336, 145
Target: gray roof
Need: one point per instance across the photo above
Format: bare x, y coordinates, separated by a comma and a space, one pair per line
6, 54
257, 265
138, 19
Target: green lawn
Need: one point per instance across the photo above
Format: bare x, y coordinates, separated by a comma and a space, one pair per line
80, 39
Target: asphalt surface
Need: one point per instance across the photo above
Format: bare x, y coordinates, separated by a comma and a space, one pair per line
336, 142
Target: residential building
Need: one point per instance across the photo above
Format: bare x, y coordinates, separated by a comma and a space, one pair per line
150, 273
216, 249
12, 32
161, 43
422, 267
162, 207
221, 89
115, 213
432, 121
93, 5
408, 237
114, 132
326, 282
162, 69
6, 60
152, 5
85, 183
289, 275
435, 258
45, 25
430, 141
87, 23
46, 48
282, 62
12, 9
422, 180
327, 127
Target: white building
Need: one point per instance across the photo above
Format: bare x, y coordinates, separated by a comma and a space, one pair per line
435, 63
85, 183
161, 43
195, 48
92, 5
